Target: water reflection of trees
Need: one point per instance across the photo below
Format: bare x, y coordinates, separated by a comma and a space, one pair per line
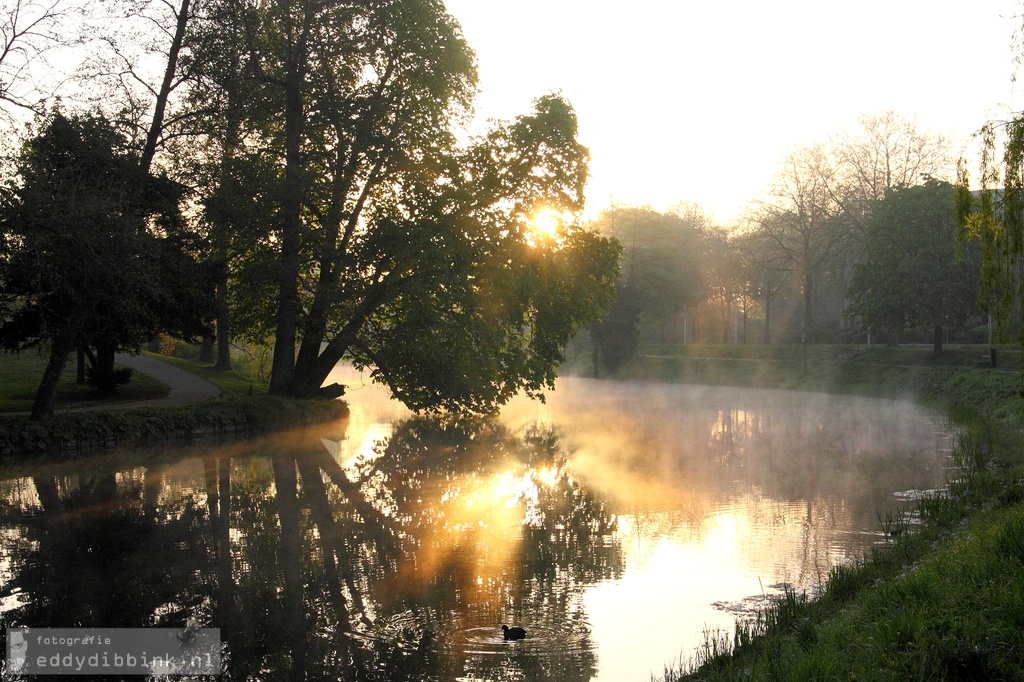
371, 569
796, 482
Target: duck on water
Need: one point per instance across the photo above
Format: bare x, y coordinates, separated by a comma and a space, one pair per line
513, 632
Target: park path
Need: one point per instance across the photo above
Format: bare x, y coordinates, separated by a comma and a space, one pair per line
186, 387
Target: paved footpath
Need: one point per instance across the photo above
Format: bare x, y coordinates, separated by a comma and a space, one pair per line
186, 387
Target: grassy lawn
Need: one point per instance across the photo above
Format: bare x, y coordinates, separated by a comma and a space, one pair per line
21, 373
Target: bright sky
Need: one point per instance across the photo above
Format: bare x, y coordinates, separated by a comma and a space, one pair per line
699, 100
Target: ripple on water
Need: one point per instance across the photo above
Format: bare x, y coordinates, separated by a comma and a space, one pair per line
408, 631
541, 640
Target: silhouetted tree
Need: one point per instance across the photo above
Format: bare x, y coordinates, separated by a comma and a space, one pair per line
98, 253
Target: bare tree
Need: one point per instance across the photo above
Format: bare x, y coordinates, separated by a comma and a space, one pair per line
31, 32
804, 221
139, 62
767, 272
888, 150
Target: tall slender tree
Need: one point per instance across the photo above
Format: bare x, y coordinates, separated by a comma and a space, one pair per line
804, 221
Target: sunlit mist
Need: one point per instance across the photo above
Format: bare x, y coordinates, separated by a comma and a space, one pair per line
616, 522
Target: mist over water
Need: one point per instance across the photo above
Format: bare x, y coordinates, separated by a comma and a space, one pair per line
725, 495
616, 522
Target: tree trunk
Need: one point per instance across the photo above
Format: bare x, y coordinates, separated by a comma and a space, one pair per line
223, 323
46, 394
207, 350
283, 369
808, 310
726, 312
60, 349
104, 373
744, 321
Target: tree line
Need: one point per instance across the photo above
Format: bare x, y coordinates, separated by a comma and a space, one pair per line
288, 172
855, 239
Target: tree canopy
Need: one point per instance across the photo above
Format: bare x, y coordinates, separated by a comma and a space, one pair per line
911, 274
380, 239
342, 216
95, 249
662, 272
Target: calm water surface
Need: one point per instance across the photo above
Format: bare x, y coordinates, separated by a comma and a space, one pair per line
617, 523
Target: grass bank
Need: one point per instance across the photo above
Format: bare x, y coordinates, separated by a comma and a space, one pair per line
67, 435
244, 409
232, 382
944, 600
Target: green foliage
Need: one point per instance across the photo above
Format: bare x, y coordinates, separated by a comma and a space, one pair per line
994, 216
351, 221
98, 253
468, 305
617, 336
78, 224
910, 274
663, 270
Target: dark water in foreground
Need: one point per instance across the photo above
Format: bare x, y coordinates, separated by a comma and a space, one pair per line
616, 523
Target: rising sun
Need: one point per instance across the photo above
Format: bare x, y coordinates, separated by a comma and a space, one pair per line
545, 223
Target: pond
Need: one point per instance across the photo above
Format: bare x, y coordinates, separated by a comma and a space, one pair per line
617, 523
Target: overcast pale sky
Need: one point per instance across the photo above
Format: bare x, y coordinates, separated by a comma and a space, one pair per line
698, 100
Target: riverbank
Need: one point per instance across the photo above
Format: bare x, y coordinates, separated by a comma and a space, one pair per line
943, 600
155, 414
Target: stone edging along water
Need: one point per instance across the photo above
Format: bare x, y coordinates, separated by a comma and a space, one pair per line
66, 435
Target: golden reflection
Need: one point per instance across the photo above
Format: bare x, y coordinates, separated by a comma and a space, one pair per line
472, 516
645, 516
549, 476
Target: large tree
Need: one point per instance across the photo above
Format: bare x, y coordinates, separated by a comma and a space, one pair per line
659, 277
910, 274
384, 241
661, 258
97, 250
